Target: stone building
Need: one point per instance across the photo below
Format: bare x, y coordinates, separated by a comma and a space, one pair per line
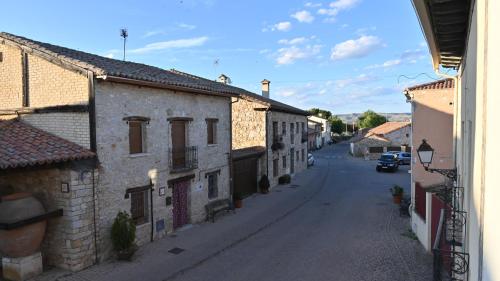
326, 129
314, 134
390, 136
162, 140
263, 124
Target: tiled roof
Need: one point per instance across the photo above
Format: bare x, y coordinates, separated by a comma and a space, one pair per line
22, 145
386, 128
248, 152
273, 104
437, 85
102, 66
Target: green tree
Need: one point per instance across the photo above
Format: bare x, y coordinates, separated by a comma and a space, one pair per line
326, 114
370, 119
337, 125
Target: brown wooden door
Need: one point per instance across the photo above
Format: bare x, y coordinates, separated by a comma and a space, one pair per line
245, 176
180, 203
178, 144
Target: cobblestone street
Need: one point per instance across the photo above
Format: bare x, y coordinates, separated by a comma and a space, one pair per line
336, 221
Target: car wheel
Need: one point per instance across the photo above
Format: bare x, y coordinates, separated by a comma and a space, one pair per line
378, 169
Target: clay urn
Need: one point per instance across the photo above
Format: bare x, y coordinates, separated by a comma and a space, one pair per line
26, 240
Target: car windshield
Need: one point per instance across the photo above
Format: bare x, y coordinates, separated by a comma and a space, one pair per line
386, 157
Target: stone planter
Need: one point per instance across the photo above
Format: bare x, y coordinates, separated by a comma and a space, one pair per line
25, 240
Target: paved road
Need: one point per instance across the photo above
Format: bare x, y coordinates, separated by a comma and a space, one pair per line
335, 222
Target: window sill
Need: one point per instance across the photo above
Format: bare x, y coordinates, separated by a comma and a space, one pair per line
213, 145
138, 155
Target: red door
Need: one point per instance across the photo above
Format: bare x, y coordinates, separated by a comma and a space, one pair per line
180, 208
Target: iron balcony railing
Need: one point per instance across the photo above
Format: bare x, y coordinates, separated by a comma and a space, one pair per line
449, 263
183, 159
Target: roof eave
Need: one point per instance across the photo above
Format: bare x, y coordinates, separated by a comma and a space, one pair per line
118, 79
426, 26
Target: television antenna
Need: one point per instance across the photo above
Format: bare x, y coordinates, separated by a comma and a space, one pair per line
124, 34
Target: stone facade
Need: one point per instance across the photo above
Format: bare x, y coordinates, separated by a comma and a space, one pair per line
11, 73
249, 129
326, 130
400, 137
120, 170
300, 162
69, 240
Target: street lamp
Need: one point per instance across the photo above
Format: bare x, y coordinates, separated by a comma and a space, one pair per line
425, 154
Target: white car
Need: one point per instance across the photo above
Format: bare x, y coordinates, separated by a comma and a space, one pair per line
310, 159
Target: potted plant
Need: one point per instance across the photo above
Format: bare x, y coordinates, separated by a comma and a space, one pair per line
397, 194
123, 236
284, 179
264, 184
238, 200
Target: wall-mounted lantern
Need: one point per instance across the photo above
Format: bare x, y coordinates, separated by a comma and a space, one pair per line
425, 155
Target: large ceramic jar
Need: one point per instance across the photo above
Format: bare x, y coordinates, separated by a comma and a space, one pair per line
26, 240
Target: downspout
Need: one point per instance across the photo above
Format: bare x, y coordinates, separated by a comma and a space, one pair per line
267, 142
231, 183
93, 147
151, 209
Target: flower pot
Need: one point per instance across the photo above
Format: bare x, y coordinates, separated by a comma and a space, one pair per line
397, 198
238, 203
265, 191
126, 255
26, 240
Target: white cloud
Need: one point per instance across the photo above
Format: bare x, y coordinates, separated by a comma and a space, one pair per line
294, 41
186, 26
386, 64
110, 55
303, 16
335, 7
153, 33
289, 55
355, 81
179, 43
355, 48
344, 4
280, 26
264, 51
313, 5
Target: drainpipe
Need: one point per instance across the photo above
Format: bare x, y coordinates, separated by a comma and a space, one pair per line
267, 142
231, 187
151, 204
95, 217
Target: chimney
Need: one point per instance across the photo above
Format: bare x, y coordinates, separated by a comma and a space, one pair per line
224, 79
265, 88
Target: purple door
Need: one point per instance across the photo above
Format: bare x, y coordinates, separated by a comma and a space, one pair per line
179, 198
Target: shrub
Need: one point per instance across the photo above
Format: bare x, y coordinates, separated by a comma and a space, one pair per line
237, 196
123, 232
264, 183
396, 190
284, 179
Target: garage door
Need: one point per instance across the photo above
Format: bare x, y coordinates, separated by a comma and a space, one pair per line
245, 176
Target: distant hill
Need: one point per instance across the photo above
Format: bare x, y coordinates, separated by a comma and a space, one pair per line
353, 117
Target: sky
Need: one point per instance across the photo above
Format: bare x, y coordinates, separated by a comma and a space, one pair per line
340, 55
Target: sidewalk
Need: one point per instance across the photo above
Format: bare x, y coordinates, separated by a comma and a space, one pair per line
202, 241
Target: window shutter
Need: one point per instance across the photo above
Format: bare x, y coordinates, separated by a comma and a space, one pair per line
210, 132
135, 137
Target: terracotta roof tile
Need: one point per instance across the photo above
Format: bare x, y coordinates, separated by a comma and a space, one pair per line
22, 145
386, 128
440, 84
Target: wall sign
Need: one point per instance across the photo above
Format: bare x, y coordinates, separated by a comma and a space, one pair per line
65, 187
161, 191
160, 225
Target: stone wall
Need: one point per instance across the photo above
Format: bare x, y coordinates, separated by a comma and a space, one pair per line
299, 164
49, 84
400, 137
71, 126
119, 170
69, 241
249, 124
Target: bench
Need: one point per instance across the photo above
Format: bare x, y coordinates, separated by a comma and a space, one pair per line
217, 206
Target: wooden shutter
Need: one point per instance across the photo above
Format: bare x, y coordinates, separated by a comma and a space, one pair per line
137, 207
211, 131
135, 136
275, 167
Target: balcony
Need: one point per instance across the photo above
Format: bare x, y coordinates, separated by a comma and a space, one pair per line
277, 142
183, 159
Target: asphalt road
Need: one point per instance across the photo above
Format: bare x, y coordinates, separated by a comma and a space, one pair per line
346, 230
335, 221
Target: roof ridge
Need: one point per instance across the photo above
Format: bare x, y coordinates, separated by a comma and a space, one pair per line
446, 83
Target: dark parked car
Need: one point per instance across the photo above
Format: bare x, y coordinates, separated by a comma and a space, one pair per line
404, 158
387, 162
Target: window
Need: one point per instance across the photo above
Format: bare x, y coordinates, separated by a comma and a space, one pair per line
283, 128
284, 162
297, 155
139, 206
136, 136
212, 131
275, 167
297, 128
303, 155
292, 136
303, 129
1, 57
213, 190
275, 130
